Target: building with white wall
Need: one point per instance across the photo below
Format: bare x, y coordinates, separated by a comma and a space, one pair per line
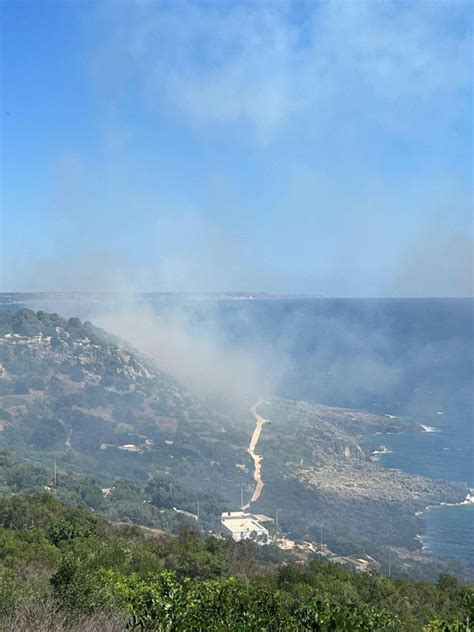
242, 526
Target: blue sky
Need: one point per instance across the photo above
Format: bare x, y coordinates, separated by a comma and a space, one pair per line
321, 148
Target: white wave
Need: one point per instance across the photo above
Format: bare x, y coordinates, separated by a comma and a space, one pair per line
430, 428
469, 500
422, 539
376, 454
382, 450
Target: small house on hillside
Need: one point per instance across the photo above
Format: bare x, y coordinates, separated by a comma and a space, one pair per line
358, 565
242, 526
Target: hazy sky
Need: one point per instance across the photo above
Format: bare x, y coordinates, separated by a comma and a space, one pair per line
320, 147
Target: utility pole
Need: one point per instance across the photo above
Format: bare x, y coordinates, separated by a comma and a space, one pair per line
277, 513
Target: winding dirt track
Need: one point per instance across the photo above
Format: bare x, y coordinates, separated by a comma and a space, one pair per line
257, 474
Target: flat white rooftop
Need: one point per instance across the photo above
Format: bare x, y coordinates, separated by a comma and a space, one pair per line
238, 522
240, 526
235, 514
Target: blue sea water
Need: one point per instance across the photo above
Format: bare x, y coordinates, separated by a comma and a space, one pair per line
441, 454
411, 358
450, 532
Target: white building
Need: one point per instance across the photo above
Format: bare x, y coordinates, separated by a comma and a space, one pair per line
242, 525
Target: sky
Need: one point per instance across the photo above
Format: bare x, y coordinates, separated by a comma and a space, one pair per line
322, 148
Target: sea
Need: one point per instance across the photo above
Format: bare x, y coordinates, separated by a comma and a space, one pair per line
407, 358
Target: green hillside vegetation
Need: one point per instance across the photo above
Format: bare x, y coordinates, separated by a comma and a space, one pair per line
65, 568
151, 505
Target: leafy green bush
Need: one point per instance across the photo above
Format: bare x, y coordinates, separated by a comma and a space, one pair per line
88, 569
162, 603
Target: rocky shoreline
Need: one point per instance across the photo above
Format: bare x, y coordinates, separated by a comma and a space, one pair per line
327, 453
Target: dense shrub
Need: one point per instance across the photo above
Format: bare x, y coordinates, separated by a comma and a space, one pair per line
63, 565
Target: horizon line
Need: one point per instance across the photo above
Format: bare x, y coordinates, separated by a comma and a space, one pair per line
236, 294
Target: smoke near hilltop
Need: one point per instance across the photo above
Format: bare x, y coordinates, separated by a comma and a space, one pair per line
195, 351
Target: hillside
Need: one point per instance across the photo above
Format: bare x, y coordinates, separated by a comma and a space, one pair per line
72, 394
63, 568
71, 390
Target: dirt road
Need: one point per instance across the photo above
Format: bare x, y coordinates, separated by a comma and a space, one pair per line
257, 474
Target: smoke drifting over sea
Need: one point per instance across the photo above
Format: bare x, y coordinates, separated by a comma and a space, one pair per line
340, 352
349, 353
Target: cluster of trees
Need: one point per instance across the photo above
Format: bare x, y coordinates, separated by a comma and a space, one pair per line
164, 492
66, 568
27, 322
23, 363
149, 504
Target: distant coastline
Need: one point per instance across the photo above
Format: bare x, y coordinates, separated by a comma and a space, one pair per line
71, 294
194, 295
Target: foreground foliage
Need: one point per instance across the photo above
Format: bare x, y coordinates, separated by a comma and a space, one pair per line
64, 568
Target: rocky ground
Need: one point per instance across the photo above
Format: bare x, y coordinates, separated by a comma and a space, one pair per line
320, 453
